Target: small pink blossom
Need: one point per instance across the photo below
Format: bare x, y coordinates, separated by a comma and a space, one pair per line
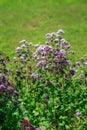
35, 76
26, 122
10, 89
2, 88
78, 113
49, 35
62, 53
82, 75
18, 49
41, 63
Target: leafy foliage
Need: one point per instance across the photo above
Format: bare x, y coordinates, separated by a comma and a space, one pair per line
44, 86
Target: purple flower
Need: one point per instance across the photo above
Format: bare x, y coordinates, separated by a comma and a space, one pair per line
16, 93
15, 103
60, 31
62, 53
44, 53
18, 49
2, 88
40, 49
77, 63
46, 96
65, 44
56, 59
26, 122
35, 76
1, 75
41, 63
11, 90
82, 75
67, 62
72, 71
55, 34
47, 48
78, 113
49, 35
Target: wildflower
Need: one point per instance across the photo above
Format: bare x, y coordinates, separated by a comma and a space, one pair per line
47, 48
46, 96
56, 59
40, 49
22, 41
50, 82
60, 31
62, 53
57, 49
26, 122
18, 49
41, 63
82, 75
35, 76
21, 58
55, 34
44, 53
67, 62
10, 89
16, 93
11, 84
72, 71
15, 103
23, 46
78, 113
65, 44
2, 88
77, 63
49, 35
1, 75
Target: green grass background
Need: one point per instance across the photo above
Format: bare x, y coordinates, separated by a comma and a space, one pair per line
32, 19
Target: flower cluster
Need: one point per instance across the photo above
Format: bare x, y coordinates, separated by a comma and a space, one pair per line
7, 88
52, 87
35, 76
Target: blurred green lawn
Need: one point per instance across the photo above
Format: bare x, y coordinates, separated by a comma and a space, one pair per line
32, 19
